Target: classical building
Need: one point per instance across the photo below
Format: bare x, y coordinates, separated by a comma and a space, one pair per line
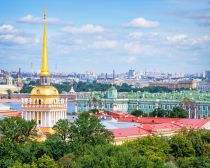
186, 84
204, 86
44, 105
196, 103
9, 87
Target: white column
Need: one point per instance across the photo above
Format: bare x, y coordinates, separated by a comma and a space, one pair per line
33, 115
29, 115
55, 117
49, 120
61, 115
37, 117
58, 112
41, 119
45, 117
25, 115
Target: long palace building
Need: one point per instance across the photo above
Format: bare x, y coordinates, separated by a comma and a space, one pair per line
196, 103
44, 105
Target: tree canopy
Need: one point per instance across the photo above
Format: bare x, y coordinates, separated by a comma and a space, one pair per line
17, 130
86, 143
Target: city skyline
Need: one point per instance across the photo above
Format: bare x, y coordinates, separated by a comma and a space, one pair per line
170, 36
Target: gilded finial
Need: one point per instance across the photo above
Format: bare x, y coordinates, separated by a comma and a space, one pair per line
45, 69
45, 13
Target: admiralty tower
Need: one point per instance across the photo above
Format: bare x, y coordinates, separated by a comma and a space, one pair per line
44, 105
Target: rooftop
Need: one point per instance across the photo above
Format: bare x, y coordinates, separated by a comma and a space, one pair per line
193, 95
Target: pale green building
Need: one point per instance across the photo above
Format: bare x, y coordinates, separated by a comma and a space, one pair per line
195, 102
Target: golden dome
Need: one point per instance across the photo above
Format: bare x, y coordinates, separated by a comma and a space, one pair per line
44, 91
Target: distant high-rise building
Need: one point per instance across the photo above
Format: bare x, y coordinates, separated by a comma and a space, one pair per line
131, 74
113, 74
207, 74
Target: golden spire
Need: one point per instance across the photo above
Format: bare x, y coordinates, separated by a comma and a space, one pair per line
45, 69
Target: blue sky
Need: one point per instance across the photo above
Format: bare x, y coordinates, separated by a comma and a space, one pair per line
102, 35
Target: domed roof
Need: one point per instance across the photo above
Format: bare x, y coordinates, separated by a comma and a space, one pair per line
44, 91
112, 88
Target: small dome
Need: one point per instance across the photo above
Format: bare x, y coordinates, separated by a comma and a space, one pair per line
112, 88
44, 91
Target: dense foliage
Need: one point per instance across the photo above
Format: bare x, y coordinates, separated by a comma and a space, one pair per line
177, 112
95, 86
86, 143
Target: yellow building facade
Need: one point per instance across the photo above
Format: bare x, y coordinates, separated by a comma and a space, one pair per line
44, 105
9, 86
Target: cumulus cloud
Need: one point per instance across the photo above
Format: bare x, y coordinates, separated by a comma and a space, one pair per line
7, 28
135, 35
107, 44
13, 39
131, 59
133, 48
10, 35
201, 39
30, 19
183, 40
143, 23
177, 38
88, 28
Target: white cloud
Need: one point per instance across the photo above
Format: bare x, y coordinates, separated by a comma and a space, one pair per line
131, 60
143, 23
7, 28
133, 48
107, 44
201, 39
177, 38
135, 35
11, 38
187, 41
88, 28
36, 20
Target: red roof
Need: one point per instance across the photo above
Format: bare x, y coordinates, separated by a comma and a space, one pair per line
164, 127
191, 123
120, 114
11, 113
155, 120
127, 132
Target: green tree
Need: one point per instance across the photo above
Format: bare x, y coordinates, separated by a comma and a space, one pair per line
46, 162
153, 148
17, 130
18, 164
88, 129
158, 112
67, 161
181, 147
63, 129
137, 113
179, 112
56, 148
198, 145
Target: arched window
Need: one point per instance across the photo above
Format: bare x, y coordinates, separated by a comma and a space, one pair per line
40, 101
